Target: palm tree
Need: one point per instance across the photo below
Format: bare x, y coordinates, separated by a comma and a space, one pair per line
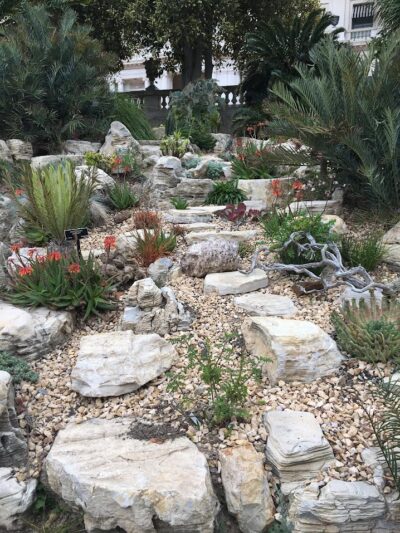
389, 13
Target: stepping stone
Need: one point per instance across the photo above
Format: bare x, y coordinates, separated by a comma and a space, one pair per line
238, 236
298, 350
188, 216
296, 447
199, 226
235, 282
118, 362
259, 304
131, 477
15, 498
246, 488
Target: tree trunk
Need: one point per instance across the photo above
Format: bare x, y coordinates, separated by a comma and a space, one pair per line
187, 65
208, 64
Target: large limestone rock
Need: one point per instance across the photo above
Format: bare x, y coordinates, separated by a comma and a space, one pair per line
328, 207
339, 506
163, 271
32, 333
296, 447
235, 282
246, 488
391, 240
15, 498
8, 217
80, 147
104, 181
298, 350
237, 236
20, 150
223, 144
13, 447
118, 362
118, 139
130, 484
154, 310
54, 160
259, 304
5, 152
339, 225
188, 216
215, 255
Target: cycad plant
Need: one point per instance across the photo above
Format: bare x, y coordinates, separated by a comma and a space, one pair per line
346, 110
53, 79
55, 199
389, 14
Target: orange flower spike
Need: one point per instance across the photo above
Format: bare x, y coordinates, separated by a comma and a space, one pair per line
297, 185
31, 252
54, 256
109, 242
276, 188
74, 268
19, 192
25, 271
16, 247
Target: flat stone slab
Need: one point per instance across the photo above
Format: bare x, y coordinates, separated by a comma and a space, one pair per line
298, 350
238, 236
123, 479
259, 304
188, 216
118, 362
296, 447
199, 226
225, 283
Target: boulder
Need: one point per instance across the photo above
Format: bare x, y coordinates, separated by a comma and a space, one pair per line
5, 152
235, 282
195, 191
261, 190
238, 236
15, 498
150, 150
104, 181
372, 457
327, 207
55, 160
20, 150
118, 362
349, 295
8, 217
32, 333
391, 240
118, 139
246, 488
80, 147
187, 216
339, 225
296, 447
298, 350
13, 446
163, 271
259, 304
215, 255
339, 506
223, 144
135, 485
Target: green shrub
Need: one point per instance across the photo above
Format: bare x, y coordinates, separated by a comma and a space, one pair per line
279, 225
179, 203
202, 138
59, 282
226, 192
366, 251
191, 163
215, 170
133, 117
55, 199
53, 79
369, 331
18, 368
98, 160
175, 145
224, 373
252, 162
122, 196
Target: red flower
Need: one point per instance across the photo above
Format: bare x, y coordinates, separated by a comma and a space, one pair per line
117, 160
127, 168
258, 153
74, 268
19, 192
31, 252
54, 256
109, 242
241, 157
276, 188
299, 195
41, 258
250, 129
16, 247
297, 185
25, 271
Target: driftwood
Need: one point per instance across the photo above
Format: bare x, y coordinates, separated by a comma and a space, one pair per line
333, 272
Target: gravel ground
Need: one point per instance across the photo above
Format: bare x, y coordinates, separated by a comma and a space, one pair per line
48, 405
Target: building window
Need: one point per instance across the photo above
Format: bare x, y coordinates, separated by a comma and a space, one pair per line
363, 16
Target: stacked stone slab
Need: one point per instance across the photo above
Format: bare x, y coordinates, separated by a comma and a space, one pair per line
13, 447
131, 484
15, 498
296, 447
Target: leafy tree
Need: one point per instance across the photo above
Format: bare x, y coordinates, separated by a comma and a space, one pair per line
389, 13
53, 82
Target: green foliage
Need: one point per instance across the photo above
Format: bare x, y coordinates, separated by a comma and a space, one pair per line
348, 114
370, 332
122, 196
389, 14
18, 368
191, 163
246, 249
98, 160
279, 225
201, 137
175, 145
55, 199
59, 282
250, 117
252, 162
225, 370
226, 192
179, 203
367, 251
215, 170
53, 79
133, 116
153, 244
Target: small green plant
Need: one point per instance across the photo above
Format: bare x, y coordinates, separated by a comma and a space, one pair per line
191, 163
369, 331
279, 225
17, 368
252, 162
215, 170
122, 196
179, 203
98, 160
246, 249
133, 117
225, 369
153, 244
175, 145
367, 251
201, 137
226, 192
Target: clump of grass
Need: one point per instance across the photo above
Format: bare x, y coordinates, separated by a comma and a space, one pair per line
122, 197
152, 245
17, 368
367, 251
146, 220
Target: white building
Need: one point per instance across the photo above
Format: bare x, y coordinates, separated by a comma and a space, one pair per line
355, 16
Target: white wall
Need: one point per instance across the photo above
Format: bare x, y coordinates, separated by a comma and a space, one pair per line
344, 10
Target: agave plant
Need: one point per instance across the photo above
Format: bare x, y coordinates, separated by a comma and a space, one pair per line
55, 199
